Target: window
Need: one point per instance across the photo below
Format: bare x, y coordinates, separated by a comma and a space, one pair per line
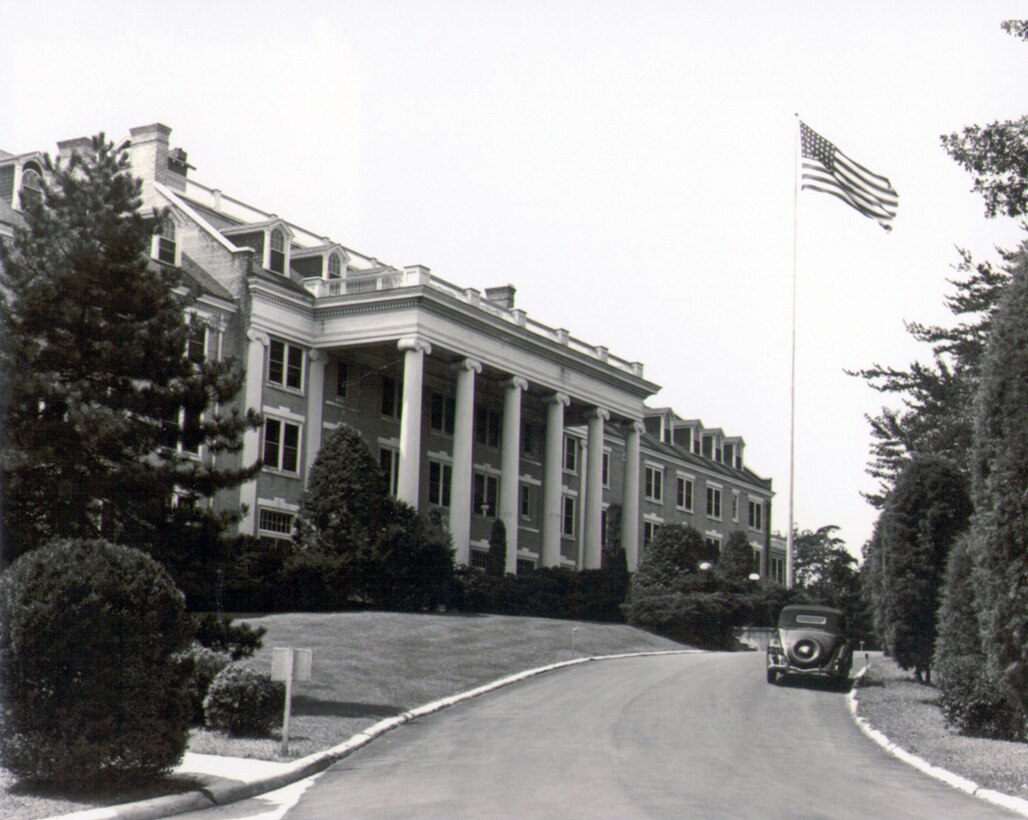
654, 484
440, 476
714, 502
683, 493
281, 445
166, 244
442, 413
777, 569
530, 441
486, 490
277, 254
391, 397
525, 565
708, 446
389, 461
685, 439
729, 452
487, 427
756, 518
526, 504
285, 365
479, 559
567, 516
342, 379
196, 344
31, 187
334, 266
570, 454
603, 529
735, 506
191, 432
180, 431
605, 469
649, 532
274, 527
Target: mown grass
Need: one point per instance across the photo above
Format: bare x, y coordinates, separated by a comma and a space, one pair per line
368, 666
908, 713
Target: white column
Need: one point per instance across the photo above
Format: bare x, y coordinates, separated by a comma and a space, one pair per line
553, 478
630, 496
258, 341
510, 460
410, 419
592, 544
315, 407
460, 488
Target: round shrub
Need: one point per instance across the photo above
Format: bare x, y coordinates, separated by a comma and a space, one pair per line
243, 702
201, 665
92, 688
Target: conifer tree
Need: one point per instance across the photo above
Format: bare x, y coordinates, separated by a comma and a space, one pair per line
736, 561
496, 559
929, 507
95, 379
1000, 482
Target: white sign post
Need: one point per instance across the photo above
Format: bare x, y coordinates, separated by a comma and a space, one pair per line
288, 664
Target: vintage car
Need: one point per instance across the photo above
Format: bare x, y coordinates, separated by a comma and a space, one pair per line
810, 641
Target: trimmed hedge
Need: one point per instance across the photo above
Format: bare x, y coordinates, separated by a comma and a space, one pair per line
93, 690
201, 665
244, 702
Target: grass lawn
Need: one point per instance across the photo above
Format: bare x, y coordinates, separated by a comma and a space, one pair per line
371, 665
907, 713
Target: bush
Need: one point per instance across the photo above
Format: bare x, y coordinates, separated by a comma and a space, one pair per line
201, 665
243, 702
219, 633
975, 704
92, 689
705, 619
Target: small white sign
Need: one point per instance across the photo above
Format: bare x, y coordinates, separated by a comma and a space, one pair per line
284, 657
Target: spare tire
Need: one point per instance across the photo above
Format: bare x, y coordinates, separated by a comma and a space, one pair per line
805, 652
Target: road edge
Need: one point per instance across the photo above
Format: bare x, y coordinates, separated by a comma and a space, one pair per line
221, 792
1006, 801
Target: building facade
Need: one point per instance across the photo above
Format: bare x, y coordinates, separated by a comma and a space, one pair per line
470, 405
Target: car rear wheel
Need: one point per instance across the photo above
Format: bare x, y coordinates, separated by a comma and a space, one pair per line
772, 676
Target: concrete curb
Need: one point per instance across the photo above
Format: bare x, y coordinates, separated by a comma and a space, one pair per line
222, 791
1015, 804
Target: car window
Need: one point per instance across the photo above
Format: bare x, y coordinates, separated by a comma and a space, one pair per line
814, 620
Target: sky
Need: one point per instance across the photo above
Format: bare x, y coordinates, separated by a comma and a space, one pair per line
628, 166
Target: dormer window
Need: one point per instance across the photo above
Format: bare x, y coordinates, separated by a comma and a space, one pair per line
277, 255
31, 187
165, 243
334, 266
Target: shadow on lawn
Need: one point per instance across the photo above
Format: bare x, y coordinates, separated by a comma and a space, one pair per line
305, 705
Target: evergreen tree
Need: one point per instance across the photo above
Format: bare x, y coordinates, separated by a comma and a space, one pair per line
674, 553
496, 560
925, 512
1000, 481
96, 379
736, 561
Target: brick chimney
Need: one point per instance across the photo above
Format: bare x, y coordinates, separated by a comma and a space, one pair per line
148, 152
501, 296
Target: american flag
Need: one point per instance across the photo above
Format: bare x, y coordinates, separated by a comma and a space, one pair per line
829, 170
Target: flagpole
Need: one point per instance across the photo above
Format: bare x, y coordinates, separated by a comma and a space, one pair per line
792, 375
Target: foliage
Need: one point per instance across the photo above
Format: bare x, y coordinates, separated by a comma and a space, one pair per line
972, 700
92, 688
355, 545
496, 558
243, 702
412, 561
675, 552
925, 512
92, 358
254, 580
1000, 482
219, 633
200, 665
736, 561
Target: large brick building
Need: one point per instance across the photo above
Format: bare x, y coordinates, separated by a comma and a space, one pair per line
469, 404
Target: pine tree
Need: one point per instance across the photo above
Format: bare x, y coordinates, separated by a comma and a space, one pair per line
95, 379
1000, 482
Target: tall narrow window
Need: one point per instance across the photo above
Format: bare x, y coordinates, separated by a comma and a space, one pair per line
567, 518
285, 364
277, 254
570, 454
654, 484
167, 242
714, 503
196, 346
281, 445
443, 412
31, 188
683, 493
487, 427
391, 400
389, 461
334, 266
439, 477
486, 490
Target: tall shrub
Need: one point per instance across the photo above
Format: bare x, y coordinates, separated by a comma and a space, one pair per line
93, 690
